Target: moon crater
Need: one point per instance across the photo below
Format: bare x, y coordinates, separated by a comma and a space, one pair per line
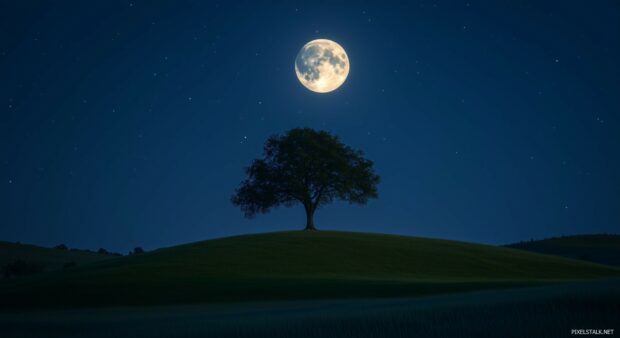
322, 65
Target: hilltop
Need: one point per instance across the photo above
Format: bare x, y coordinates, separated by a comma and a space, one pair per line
295, 265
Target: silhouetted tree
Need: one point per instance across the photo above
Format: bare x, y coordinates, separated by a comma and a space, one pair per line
308, 167
61, 247
102, 251
137, 250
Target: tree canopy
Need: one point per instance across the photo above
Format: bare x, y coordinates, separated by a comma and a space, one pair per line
309, 167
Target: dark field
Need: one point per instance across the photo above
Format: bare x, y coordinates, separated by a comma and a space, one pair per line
292, 266
316, 284
544, 311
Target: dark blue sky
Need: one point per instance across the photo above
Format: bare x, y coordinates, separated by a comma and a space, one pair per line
130, 123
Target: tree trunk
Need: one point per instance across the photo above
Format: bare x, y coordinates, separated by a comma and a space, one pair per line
309, 218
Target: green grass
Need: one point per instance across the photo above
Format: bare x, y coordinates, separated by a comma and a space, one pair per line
602, 249
546, 311
294, 265
50, 259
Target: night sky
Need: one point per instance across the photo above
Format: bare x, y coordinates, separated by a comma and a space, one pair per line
130, 123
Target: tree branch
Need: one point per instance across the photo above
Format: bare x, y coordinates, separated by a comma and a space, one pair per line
317, 196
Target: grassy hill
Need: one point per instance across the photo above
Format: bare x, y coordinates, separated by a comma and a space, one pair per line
602, 249
295, 265
48, 259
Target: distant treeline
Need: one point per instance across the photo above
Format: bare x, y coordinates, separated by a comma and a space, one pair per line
24, 267
597, 248
587, 236
135, 251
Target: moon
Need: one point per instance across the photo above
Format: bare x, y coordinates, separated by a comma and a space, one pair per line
322, 65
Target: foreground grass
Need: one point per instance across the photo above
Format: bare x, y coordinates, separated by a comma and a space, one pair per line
544, 311
293, 265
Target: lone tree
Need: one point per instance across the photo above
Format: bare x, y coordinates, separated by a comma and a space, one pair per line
309, 167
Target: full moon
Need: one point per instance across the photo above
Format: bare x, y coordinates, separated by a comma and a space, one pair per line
322, 65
